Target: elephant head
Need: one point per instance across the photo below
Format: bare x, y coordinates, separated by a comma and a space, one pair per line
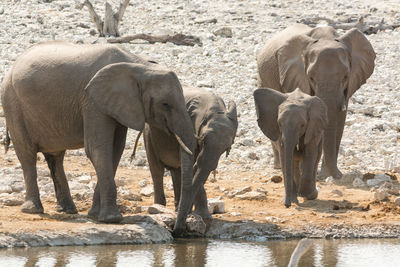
133, 94
296, 121
333, 68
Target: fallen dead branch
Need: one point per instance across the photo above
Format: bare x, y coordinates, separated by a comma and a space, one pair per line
108, 27
178, 39
361, 24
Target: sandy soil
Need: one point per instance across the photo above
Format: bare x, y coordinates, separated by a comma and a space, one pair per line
355, 207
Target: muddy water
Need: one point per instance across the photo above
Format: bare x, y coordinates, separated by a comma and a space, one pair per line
211, 253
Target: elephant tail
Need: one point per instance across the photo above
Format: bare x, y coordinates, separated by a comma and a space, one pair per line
136, 143
7, 141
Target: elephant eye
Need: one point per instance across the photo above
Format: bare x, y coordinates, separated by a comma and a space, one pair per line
166, 105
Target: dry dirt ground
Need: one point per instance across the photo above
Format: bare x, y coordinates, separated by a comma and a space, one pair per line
355, 207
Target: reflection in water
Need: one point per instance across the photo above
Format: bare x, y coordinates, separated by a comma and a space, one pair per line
201, 252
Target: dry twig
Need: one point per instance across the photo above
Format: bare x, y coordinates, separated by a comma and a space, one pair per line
178, 39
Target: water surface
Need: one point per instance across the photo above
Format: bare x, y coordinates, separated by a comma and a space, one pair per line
199, 252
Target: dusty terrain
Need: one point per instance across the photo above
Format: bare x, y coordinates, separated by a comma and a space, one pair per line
227, 67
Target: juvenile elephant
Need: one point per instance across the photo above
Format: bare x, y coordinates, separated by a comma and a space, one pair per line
62, 96
215, 128
295, 123
321, 63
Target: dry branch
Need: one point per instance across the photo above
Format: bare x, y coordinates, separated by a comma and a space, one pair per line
365, 27
178, 39
108, 27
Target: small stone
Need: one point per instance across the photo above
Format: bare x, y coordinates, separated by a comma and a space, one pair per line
143, 183
349, 177
1, 10
276, 179
329, 180
194, 223
253, 156
224, 32
216, 206
368, 176
234, 213
157, 209
12, 202
397, 201
380, 195
5, 189
239, 192
273, 219
337, 192
147, 191
389, 188
379, 178
85, 179
358, 183
252, 196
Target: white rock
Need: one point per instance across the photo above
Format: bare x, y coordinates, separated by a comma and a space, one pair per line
85, 179
252, 196
379, 178
380, 195
216, 206
194, 223
329, 180
147, 191
5, 189
143, 183
224, 32
397, 201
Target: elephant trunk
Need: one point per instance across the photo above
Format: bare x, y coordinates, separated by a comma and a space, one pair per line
330, 138
186, 135
289, 142
307, 187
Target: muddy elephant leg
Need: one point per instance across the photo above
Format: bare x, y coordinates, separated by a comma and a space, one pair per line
63, 195
277, 161
176, 180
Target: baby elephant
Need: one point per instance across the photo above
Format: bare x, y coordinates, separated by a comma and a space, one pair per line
215, 128
295, 122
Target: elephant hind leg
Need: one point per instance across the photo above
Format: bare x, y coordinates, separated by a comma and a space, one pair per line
63, 195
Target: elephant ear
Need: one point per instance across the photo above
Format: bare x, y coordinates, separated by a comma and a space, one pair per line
317, 119
267, 103
116, 91
292, 73
362, 59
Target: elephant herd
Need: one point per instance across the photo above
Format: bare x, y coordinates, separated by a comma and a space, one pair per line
61, 96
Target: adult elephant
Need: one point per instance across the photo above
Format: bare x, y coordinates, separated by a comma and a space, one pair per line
321, 63
62, 96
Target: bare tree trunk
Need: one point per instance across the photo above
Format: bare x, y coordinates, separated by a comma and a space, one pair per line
108, 27
178, 39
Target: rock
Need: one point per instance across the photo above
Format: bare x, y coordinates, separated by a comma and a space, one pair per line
358, 183
380, 195
224, 32
239, 191
216, 206
147, 191
397, 201
349, 177
379, 178
337, 192
12, 201
157, 209
329, 180
195, 224
5, 189
85, 179
237, 214
143, 183
253, 156
388, 188
252, 196
368, 176
276, 179
273, 219
1, 10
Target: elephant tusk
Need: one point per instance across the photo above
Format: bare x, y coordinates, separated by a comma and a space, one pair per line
297, 147
344, 107
183, 145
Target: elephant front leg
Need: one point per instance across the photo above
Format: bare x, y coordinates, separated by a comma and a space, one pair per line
275, 149
176, 181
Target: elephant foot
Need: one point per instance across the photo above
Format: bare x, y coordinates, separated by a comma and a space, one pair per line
94, 211
311, 196
67, 206
203, 213
31, 206
110, 216
288, 200
178, 232
324, 173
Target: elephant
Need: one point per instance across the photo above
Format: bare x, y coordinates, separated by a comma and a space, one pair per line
62, 96
295, 123
322, 63
215, 128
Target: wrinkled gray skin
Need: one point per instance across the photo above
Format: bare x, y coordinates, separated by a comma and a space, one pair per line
62, 96
321, 63
215, 127
295, 123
